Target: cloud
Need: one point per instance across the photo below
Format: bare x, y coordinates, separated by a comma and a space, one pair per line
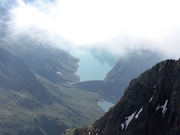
103, 56
113, 25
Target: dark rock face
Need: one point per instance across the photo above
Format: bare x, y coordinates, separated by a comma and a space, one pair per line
149, 106
125, 70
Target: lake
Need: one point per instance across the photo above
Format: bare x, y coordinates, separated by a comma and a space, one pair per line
107, 104
90, 68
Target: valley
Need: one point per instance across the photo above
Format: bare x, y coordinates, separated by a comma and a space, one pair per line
37, 100
59, 75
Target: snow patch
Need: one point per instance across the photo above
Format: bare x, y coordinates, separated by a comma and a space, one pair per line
59, 73
70, 82
151, 99
128, 120
164, 107
19, 94
122, 125
157, 108
137, 115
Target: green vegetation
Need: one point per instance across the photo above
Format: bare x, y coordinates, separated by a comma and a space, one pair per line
34, 99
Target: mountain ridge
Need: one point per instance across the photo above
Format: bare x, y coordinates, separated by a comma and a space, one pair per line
31, 104
150, 105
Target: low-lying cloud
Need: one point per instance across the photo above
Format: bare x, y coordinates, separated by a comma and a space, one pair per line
116, 26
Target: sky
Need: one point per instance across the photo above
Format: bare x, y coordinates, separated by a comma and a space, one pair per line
112, 26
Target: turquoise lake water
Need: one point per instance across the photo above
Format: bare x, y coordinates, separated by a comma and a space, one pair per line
107, 104
90, 68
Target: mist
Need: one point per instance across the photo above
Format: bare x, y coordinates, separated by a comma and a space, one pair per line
104, 29
115, 26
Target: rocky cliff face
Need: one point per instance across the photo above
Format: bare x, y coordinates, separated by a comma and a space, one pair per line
149, 106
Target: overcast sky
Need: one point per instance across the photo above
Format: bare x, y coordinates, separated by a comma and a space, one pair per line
112, 25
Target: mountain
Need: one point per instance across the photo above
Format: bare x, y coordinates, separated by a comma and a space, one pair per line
125, 70
55, 65
16, 76
122, 73
40, 56
36, 92
149, 106
31, 104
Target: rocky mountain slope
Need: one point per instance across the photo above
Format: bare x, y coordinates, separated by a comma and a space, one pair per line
149, 106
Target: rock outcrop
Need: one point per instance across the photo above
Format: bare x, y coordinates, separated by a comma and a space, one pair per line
150, 106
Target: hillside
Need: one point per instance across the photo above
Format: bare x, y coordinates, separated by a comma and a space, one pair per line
149, 106
53, 64
32, 104
126, 69
37, 97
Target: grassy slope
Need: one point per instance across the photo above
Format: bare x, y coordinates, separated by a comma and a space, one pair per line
71, 107
43, 59
75, 106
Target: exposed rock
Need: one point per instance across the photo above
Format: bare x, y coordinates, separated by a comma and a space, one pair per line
149, 106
